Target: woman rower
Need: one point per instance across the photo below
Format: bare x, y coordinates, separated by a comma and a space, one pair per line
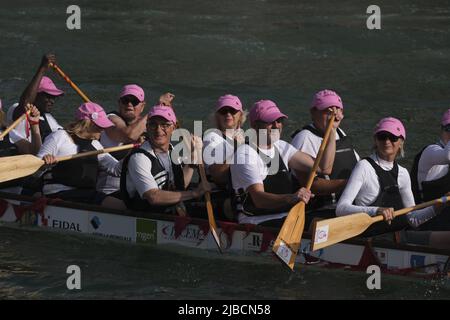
220, 144
75, 180
378, 186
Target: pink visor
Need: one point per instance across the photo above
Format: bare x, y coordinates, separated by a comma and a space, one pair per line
266, 111
164, 112
391, 125
46, 85
229, 100
326, 98
95, 113
134, 90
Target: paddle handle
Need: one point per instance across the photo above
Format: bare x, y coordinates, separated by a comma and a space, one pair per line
403, 211
73, 85
13, 125
323, 145
97, 152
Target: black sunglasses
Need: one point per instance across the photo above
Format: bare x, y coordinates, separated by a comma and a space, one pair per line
129, 98
382, 136
446, 128
225, 111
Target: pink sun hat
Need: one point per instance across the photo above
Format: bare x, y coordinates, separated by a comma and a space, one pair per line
134, 90
391, 125
446, 118
164, 112
266, 111
229, 100
95, 113
326, 98
48, 86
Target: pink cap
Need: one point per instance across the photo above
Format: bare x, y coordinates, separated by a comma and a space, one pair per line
326, 98
229, 100
46, 85
265, 110
162, 111
446, 118
134, 90
391, 125
0, 104
94, 112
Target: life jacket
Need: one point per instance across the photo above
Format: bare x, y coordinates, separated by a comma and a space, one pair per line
44, 127
160, 174
344, 162
78, 173
7, 148
279, 182
432, 189
389, 197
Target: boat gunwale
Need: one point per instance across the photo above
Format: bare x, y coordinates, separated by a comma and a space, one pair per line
378, 243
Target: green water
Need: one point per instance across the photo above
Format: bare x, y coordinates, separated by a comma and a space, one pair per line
280, 50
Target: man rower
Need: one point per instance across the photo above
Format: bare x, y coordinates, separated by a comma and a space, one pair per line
261, 175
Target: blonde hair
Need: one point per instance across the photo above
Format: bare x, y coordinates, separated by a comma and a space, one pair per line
212, 119
78, 127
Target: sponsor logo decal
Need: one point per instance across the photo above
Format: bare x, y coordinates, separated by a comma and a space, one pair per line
191, 234
417, 260
145, 231
95, 222
65, 225
321, 234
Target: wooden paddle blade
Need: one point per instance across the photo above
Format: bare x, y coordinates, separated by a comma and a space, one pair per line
331, 231
19, 166
287, 244
212, 222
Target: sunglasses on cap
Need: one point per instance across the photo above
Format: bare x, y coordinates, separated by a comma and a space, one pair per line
224, 111
383, 135
129, 98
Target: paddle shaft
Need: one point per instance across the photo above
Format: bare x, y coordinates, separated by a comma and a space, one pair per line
97, 152
73, 85
323, 145
13, 125
409, 209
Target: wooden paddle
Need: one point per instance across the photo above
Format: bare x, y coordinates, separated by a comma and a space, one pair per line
287, 244
13, 125
24, 165
209, 207
73, 85
331, 231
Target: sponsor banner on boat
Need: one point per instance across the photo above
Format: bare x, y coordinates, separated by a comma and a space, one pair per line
253, 242
146, 231
228, 242
382, 255
191, 235
65, 219
112, 226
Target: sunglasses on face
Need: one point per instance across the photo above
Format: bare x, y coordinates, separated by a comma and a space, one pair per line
446, 128
382, 136
127, 99
164, 126
225, 111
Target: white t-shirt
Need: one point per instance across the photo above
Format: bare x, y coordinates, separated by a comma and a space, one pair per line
59, 143
250, 169
139, 177
433, 163
216, 149
309, 143
363, 188
20, 132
